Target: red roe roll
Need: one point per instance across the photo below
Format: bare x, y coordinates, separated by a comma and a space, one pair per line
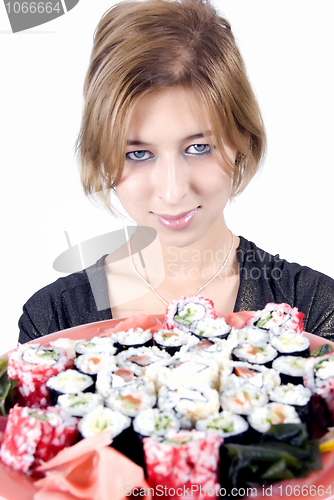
34, 435
32, 366
183, 312
183, 464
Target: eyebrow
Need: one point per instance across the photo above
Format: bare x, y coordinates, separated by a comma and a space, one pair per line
201, 135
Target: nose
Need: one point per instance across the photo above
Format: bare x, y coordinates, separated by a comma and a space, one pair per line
171, 179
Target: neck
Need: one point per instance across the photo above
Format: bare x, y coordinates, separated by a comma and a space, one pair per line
188, 270
204, 257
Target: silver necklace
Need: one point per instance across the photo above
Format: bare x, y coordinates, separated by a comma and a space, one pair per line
153, 289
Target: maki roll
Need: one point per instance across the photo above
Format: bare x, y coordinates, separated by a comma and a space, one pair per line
261, 419
183, 461
97, 345
33, 436
183, 312
102, 419
250, 335
259, 354
191, 402
299, 397
118, 426
134, 337
293, 344
208, 328
108, 379
185, 368
322, 380
141, 359
240, 373
172, 340
231, 427
69, 382
132, 398
155, 422
92, 363
290, 368
32, 366
278, 318
241, 400
79, 404
216, 350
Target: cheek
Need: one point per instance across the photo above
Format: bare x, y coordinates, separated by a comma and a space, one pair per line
132, 193
217, 186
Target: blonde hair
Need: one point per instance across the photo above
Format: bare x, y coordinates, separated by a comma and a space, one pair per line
142, 47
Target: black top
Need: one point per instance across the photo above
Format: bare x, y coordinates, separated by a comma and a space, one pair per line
83, 297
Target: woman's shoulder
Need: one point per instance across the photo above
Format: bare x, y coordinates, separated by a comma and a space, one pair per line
78, 298
270, 278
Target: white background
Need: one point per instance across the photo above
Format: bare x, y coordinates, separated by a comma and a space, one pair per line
288, 209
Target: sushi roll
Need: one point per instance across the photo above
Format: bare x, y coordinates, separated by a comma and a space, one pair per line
208, 328
323, 380
278, 318
216, 350
182, 462
259, 354
299, 397
191, 402
293, 344
290, 368
103, 419
69, 382
183, 312
103, 345
250, 335
134, 337
231, 427
155, 422
240, 373
108, 379
118, 425
32, 366
241, 400
33, 436
69, 346
92, 363
261, 419
182, 368
141, 359
132, 398
79, 404
324, 370
172, 340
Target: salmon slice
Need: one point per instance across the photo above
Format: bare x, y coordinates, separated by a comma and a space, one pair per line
201, 346
126, 375
143, 360
245, 372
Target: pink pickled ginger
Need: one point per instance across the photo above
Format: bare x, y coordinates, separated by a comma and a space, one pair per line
89, 470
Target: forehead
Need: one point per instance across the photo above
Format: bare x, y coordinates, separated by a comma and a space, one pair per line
174, 112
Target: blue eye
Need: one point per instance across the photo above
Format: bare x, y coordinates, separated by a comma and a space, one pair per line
198, 150
138, 156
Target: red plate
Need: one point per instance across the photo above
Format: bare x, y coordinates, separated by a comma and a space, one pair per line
16, 486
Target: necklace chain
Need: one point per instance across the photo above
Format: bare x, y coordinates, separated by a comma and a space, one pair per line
154, 290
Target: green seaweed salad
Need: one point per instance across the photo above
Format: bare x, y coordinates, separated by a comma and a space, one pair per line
7, 389
284, 452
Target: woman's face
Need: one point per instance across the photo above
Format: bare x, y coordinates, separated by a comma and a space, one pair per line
172, 180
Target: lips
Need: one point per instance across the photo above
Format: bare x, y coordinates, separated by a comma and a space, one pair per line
176, 222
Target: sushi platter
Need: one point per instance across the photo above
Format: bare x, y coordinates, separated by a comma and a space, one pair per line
14, 484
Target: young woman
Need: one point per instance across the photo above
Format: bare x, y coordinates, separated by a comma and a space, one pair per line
171, 125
